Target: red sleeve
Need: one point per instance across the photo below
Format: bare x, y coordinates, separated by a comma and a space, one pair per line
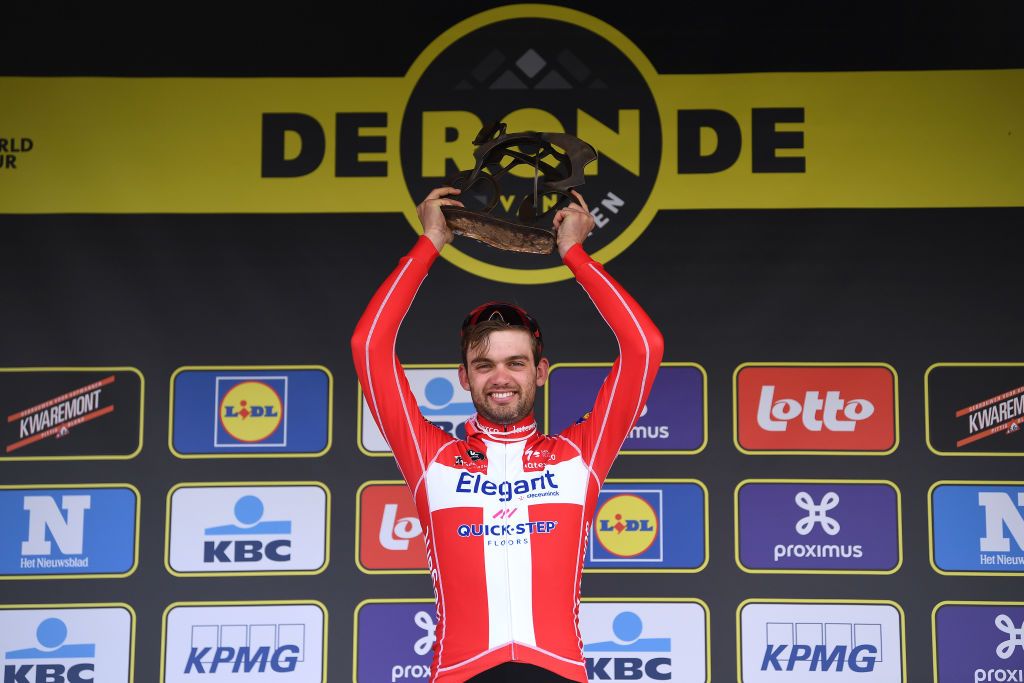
412, 439
625, 390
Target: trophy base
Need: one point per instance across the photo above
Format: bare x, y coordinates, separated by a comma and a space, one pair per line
499, 233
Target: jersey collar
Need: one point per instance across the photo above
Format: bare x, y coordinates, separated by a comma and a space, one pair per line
485, 429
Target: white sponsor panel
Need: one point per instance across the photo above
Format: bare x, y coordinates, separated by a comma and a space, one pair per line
440, 398
828, 642
247, 529
645, 641
66, 645
273, 643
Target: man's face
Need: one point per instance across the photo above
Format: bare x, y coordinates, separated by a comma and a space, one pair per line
502, 377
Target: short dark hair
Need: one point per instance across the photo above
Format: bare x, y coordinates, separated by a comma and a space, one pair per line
478, 336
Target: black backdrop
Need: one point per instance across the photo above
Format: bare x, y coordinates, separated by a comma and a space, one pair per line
907, 287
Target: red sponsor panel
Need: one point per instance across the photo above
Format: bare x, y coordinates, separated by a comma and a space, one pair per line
390, 535
816, 409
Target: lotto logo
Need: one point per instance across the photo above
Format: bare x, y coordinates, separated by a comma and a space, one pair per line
389, 537
815, 409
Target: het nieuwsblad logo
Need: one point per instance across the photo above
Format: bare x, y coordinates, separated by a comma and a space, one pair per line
539, 68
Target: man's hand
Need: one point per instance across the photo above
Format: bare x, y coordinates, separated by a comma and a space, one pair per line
431, 218
572, 224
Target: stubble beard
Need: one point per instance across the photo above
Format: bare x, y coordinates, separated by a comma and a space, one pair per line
508, 414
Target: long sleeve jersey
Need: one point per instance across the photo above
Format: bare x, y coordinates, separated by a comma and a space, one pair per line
506, 512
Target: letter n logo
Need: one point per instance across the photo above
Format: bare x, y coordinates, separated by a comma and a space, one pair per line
44, 514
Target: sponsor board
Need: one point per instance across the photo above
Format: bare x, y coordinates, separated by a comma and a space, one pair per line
981, 642
76, 531
257, 642
624, 639
818, 526
815, 408
674, 420
820, 640
373, 143
389, 537
649, 526
662, 527
647, 639
250, 411
441, 400
65, 413
247, 528
977, 527
83, 643
974, 408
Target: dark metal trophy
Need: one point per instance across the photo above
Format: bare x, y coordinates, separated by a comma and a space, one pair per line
557, 160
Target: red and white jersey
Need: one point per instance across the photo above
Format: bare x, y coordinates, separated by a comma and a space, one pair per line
506, 512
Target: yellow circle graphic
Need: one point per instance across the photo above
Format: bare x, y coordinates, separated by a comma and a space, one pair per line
626, 525
528, 116
251, 411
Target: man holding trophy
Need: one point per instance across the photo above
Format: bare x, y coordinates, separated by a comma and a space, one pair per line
506, 512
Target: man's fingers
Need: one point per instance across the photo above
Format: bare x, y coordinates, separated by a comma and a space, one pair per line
583, 203
438, 192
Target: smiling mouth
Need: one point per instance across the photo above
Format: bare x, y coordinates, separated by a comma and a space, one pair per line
501, 395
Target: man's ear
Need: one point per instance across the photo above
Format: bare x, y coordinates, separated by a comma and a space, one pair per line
542, 372
463, 376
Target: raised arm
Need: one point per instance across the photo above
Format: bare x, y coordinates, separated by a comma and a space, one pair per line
621, 398
412, 439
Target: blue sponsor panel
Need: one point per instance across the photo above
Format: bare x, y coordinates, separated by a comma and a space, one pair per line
394, 641
250, 412
643, 525
672, 421
64, 532
978, 527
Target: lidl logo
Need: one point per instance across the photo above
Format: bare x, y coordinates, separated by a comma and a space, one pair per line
84, 530
818, 526
258, 528
67, 644
980, 642
820, 641
268, 641
977, 527
440, 398
250, 412
673, 421
645, 641
650, 525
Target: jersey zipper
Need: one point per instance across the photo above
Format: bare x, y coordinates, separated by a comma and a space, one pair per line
508, 568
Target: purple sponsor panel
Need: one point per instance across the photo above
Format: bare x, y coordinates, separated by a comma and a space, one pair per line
818, 526
672, 421
394, 641
979, 643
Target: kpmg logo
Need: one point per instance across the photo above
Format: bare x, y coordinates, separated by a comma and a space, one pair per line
394, 640
815, 409
266, 641
979, 642
71, 413
389, 536
978, 527
74, 645
75, 531
649, 525
818, 526
250, 411
276, 528
820, 642
673, 421
441, 400
644, 641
